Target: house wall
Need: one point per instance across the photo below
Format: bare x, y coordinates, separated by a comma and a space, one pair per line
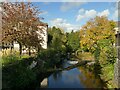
16, 46
44, 35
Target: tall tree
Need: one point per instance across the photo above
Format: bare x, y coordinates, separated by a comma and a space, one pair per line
57, 37
73, 40
20, 23
96, 34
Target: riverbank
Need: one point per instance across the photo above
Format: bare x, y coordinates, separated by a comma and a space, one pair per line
105, 71
17, 73
108, 75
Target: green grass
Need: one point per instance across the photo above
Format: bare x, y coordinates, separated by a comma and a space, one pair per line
11, 57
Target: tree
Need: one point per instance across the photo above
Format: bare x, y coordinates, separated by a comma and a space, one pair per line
96, 34
73, 40
20, 23
57, 37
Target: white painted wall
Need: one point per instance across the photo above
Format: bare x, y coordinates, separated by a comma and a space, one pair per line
16, 46
44, 44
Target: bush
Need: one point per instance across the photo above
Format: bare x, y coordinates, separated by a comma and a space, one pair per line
8, 59
52, 56
17, 75
107, 56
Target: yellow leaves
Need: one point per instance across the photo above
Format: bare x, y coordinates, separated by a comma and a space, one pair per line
95, 30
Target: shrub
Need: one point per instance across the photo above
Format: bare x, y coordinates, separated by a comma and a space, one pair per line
8, 59
17, 75
52, 56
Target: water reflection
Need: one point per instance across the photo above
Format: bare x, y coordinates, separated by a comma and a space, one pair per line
74, 78
88, 79
66, 79
57, 75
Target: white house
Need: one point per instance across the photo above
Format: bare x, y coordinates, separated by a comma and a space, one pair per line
44, 35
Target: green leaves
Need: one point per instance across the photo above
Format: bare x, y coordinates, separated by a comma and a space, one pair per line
73, 40
58, 38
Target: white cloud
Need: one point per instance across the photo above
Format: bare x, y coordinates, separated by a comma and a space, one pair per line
69, 5
87, 14
80, 17
63, 24
104, 13
90, 13
81, 11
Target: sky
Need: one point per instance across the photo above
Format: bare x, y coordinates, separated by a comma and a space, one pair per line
73, 15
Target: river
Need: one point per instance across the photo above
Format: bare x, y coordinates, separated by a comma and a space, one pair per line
78, 77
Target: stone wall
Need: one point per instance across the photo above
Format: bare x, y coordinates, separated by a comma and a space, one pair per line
117, 63
117, 69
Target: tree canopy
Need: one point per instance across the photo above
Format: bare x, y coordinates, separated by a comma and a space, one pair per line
73, 39
98, 37
95, 31
20, 23
56, 37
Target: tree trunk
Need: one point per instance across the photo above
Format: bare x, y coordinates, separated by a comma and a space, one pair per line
29, 51
38, 49
20, 49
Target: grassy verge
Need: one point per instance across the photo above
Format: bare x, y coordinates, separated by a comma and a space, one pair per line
11, 57
108, 75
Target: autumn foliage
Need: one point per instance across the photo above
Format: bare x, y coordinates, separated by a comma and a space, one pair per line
20, 22
96, 30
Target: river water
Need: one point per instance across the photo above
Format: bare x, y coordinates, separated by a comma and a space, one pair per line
78, 77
